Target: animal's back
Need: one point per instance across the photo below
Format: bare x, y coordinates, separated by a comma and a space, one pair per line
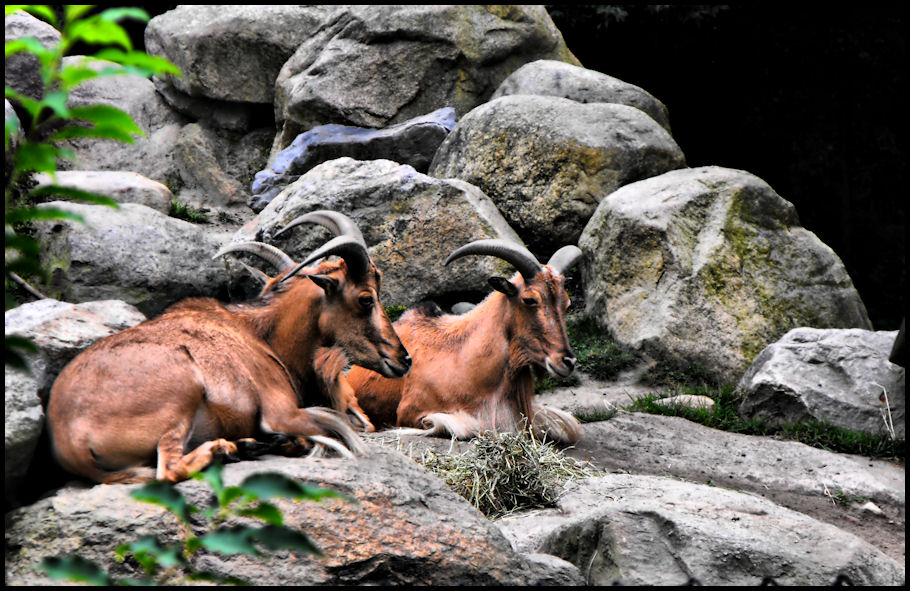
111, 405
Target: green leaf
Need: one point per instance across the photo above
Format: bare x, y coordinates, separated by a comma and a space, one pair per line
72, 193
13, 344
38, 157
139, 62
212, 475
164, 494
76, 11
37, 10
30, 45
276, 537
25, 244
99, 131
25, 214
99, 32
276, 486
74, 568
72, 75
118, 14
106, 115
264, 511
149, 552
56, 101
233, 540
229, 495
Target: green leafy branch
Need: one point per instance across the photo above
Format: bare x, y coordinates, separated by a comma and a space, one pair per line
251, 499
34, 134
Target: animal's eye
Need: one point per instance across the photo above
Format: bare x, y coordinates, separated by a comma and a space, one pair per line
530, 302
366, 301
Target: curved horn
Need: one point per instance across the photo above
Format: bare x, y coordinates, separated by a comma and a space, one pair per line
565, 258
267, 252
338, 223
353, 252
348, 242
515, 254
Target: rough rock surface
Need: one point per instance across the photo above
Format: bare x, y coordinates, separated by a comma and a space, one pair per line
708, 266
841, 376
547, 162
231, 52
552, 78
372, 66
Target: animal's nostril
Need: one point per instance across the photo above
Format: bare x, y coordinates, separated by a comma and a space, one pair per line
407, 360
569, 361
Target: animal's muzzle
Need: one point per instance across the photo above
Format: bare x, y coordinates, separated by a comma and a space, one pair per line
396, 370
561, 370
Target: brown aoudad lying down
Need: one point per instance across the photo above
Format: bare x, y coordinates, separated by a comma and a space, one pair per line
473, 372
161, 399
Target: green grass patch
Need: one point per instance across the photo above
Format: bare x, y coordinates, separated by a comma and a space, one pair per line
505, 472
182, 211
395, 312
724, 416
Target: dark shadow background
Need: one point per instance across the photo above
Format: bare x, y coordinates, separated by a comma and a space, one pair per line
812, 99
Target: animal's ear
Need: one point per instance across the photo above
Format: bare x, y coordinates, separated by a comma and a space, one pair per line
503, 285
328, 284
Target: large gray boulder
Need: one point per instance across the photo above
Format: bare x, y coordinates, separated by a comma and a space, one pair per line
552, 78
413, 142
133, 253
231, 52
708, 266
547, 162
411, 222
404, 527
649, 530
372, 66
841, 376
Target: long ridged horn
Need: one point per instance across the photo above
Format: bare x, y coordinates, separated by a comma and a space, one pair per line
348, 242
517, 255
270, 254
338, 223
564, 258
354, 253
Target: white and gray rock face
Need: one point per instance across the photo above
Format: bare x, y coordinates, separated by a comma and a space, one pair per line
552, 78
708, 266
841, 376
650, 530
231, 52
372, 66
547, 162
133, 253
411, 222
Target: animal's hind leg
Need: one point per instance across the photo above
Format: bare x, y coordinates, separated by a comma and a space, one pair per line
174, 465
